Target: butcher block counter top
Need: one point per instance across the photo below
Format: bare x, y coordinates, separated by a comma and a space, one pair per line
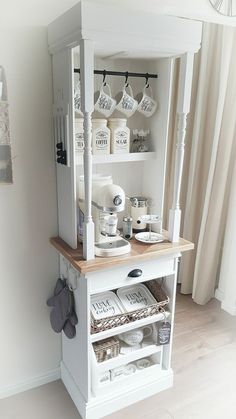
139, 252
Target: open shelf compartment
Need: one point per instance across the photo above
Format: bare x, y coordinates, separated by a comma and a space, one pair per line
129, 326
117, 374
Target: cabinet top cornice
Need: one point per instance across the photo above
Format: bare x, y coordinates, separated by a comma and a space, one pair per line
124, 35
139, 253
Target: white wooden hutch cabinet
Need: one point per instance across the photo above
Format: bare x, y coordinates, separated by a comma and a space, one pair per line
91, 36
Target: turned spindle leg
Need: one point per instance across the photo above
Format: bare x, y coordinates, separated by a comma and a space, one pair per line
87, 103
183, 105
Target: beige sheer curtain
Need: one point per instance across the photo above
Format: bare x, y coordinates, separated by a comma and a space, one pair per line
210, 153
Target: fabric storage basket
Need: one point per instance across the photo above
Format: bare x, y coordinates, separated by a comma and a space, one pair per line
162, 300
106, 349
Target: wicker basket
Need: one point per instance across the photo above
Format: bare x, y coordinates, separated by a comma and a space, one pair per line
119, 319
106, 349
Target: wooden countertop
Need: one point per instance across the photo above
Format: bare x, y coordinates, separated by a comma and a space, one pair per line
139, 252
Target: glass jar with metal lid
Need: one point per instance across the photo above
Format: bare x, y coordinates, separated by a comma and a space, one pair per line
138, 208
127, 228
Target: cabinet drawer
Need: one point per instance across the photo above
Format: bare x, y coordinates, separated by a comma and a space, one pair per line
119, 277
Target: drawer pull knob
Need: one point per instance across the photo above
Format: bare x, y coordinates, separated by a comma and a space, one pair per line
135, 273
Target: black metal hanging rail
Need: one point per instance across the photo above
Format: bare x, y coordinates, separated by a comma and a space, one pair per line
126, 74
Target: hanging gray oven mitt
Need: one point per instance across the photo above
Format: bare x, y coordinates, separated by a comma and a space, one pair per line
63, 309
69, 329
69, 326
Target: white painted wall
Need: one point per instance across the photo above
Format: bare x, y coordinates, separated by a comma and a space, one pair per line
29, 350
35, 12
192, 9
28, 216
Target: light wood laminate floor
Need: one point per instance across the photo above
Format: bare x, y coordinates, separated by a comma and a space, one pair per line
204, 362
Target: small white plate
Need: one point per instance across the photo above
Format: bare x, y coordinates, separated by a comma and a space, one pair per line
146, 237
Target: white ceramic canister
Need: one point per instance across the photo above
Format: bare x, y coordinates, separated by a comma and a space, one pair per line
138, 208
120, 135
79, 135
101, 136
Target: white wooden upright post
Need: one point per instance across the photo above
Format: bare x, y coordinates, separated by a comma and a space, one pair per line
183, 106
87, 104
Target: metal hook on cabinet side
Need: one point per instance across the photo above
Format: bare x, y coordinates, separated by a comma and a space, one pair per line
72, 286
126, 78
104, 78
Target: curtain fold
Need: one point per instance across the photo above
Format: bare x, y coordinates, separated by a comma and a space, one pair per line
210, 153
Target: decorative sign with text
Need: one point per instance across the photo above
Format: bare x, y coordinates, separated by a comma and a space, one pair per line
105, 304
164, 332
135, 297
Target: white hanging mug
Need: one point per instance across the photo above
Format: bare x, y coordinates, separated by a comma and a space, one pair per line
126, 102
104, 103
77, 99
147, 104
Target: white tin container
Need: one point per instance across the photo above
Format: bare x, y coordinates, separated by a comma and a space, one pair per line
101, 136
79, 135
120, 135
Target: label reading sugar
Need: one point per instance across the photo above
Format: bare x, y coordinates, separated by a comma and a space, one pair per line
121, 139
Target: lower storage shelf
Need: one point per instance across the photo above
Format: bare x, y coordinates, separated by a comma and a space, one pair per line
126, 359
138, 371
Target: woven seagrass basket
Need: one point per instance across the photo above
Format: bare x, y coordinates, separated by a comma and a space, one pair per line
106, 349
162, 300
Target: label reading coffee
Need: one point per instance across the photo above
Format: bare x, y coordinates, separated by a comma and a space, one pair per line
101, 140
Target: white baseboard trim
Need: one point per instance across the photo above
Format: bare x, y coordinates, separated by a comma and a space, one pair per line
229, 308
30, 383
219, 295
226, 306
100, 406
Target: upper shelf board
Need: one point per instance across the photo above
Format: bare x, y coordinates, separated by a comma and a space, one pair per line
117, 158
119, 34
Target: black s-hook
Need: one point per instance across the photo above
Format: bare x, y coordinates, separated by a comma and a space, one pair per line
126, 79
104, 77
